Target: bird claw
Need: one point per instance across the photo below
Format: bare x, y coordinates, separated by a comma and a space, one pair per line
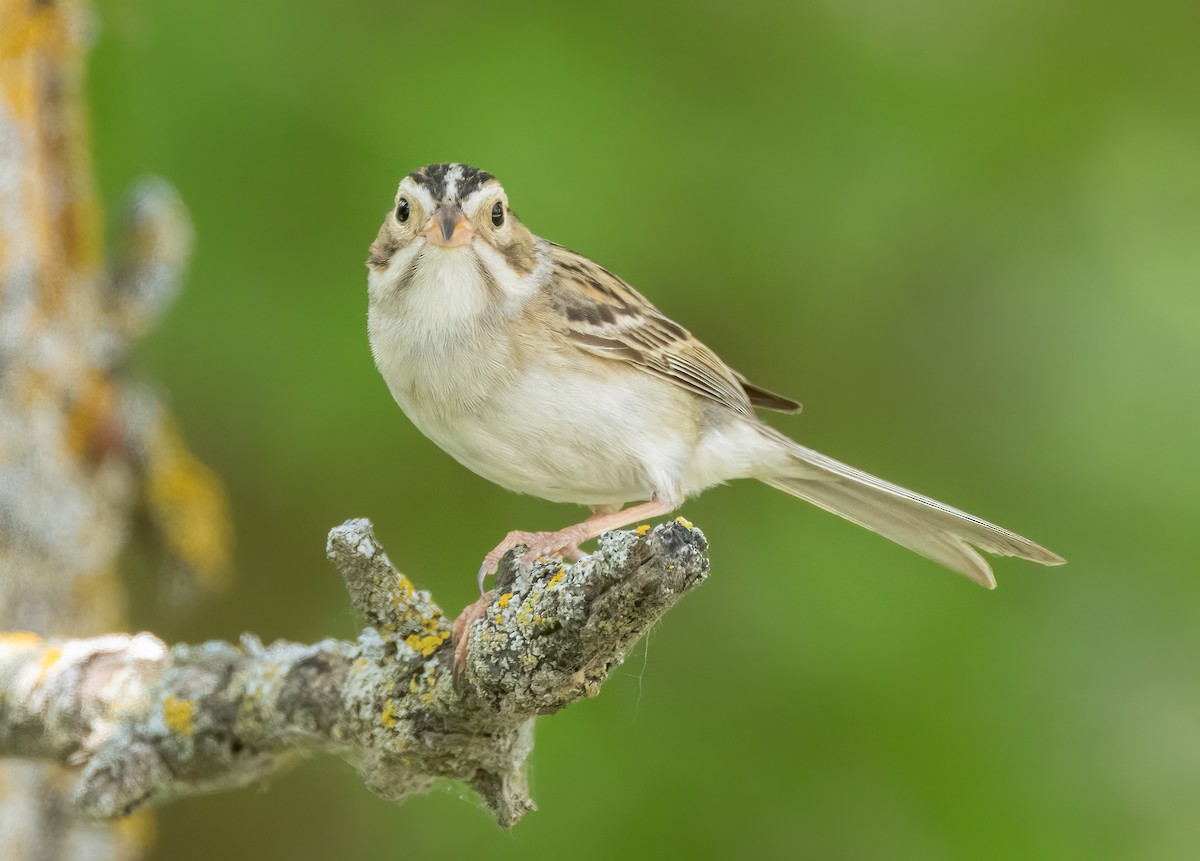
460, 634
538, 545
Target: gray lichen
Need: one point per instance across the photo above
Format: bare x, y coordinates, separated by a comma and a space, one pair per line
149, 724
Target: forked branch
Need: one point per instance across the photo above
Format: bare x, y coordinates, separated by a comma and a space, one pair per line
147, 723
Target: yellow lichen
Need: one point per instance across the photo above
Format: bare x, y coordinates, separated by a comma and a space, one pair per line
19, 640
684, 522
188, 505
426, 645
177, 713
556, 579
643, 529
499, 619
92, 428
388, 718
49, 658
405, 594
503, 600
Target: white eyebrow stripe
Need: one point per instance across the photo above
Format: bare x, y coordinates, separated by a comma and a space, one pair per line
490, 189
417, 193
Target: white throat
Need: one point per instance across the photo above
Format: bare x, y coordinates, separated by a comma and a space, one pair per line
451, 286
435, 323
437, 291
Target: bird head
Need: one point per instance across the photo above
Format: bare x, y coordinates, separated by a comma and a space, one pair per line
450, 208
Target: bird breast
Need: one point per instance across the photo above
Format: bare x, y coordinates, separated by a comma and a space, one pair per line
515, 405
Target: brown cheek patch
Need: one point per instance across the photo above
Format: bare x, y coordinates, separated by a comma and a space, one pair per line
383, 249
385, 246
520, 256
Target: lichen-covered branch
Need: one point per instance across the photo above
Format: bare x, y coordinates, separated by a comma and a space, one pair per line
146, 723
82, 446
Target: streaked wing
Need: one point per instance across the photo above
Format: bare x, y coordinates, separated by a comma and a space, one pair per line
603, 315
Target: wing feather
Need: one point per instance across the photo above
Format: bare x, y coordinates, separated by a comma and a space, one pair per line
603, 315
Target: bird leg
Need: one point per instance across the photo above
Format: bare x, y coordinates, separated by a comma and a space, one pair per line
565, 542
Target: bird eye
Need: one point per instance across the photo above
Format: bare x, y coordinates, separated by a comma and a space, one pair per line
498, 213
403, 210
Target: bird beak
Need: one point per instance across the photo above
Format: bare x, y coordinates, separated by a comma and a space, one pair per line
447, 227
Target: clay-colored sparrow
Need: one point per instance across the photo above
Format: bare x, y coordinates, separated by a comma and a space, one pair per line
547, 374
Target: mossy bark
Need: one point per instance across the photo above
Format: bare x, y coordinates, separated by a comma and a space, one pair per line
147, 723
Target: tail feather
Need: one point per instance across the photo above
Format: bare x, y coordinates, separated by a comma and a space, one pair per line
937, 531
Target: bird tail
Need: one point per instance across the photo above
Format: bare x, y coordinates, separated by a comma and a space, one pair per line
936, 531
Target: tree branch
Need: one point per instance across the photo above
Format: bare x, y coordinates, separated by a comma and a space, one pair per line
149, 723
82, 445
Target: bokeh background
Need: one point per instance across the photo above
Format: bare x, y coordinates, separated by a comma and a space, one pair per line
967, 236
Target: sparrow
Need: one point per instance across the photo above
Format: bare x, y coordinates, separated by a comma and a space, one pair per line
547, 374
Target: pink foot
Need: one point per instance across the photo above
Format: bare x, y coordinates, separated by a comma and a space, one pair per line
573, 553
564, 544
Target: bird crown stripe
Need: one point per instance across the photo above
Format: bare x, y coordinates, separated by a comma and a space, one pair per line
450, 180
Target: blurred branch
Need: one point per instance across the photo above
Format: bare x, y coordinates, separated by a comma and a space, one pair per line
150, 723
81, 445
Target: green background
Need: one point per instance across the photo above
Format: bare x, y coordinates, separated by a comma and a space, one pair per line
967, 236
